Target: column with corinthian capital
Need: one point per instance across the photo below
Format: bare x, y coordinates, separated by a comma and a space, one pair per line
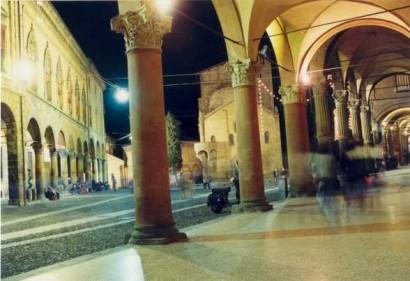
297, 139
341, 119
249, 149
322, 115
143, 30
353, 106
364, 119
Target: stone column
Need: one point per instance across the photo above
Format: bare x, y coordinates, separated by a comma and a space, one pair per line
80, 166
87, 167
322, 115
340, 118
103, 172
364, 119
64, 165
297, 139
143, 30
353, 106
73, 166
248, 141
41, 177
95, 169
54, 169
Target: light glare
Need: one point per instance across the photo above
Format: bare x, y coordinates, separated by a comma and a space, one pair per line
305, 79
163, 5
23, 70
121, 95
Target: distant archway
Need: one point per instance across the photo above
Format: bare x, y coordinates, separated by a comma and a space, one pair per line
9, 156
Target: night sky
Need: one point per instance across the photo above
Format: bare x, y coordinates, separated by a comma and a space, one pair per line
188, 49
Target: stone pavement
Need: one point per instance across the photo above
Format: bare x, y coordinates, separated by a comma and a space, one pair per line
360, 236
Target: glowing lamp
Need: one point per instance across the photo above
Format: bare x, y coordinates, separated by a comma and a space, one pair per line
164, 6
121, 95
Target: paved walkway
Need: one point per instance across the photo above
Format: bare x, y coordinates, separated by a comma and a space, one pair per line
360, 236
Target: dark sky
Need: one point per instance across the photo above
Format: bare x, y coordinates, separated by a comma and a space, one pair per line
188, 49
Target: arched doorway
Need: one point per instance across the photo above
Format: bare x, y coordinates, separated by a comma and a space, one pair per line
9, 159
92, 165
36, 166
50, 157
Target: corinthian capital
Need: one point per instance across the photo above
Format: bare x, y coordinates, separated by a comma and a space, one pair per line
364, 108
291, 94
142, 29
340, 96
242, 73
352, 104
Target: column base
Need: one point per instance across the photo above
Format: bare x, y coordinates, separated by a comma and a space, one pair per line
156, 235
252, 206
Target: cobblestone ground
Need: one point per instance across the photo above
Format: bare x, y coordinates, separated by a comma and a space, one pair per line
20, 255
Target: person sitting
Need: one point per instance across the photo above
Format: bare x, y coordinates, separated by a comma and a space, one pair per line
51, 194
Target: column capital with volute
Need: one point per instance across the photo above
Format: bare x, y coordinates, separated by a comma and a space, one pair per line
340, 96
353, 104
292, 94
142, 28
242, 73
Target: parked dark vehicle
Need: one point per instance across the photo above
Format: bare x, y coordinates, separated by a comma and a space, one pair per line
218, 199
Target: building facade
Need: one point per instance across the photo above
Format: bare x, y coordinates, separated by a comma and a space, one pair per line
52, 122
217, 148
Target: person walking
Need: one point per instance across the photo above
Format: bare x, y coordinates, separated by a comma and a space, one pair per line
275, 176
114, 182
235, 179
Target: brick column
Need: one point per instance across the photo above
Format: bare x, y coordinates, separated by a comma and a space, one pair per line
297, 139
251, 183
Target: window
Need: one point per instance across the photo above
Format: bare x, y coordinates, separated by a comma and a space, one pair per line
32, 57
69, 93
84, 107
59, 79
47, 74
213, 139
231, 140
3, 48
266, 136
77, 99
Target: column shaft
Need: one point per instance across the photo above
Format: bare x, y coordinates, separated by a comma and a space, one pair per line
364, 119
143, 31
341, 119
54, 169
297, 140
322, 116
354, 119
252, 193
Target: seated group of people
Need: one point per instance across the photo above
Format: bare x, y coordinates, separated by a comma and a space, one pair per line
87, 187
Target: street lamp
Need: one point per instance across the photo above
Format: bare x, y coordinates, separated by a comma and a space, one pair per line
121, 95
23, 70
